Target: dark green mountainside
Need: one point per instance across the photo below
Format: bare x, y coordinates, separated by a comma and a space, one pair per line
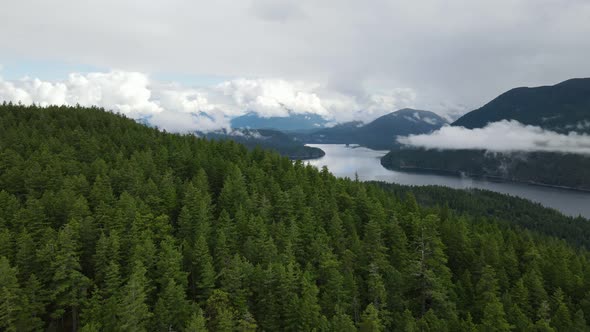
381, 132
275, 140
542, 168
108, 225
562, 107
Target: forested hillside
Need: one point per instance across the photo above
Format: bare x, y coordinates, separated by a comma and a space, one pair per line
508, 210
275, 140
562, 107
544, 168
107, 225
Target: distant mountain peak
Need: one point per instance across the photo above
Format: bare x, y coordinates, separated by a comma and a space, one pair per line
381, 132
291, 122
413, 115
561, 107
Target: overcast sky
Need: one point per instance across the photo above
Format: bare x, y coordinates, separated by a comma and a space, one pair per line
341, 58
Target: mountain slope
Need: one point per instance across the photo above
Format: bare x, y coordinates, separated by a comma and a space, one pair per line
107, 225
291, 122
381, 132
540, 168
562, 107
274, 140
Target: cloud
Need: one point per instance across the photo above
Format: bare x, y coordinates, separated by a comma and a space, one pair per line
459, 51
125, 92
502, 136
189, 122
277, 10
175, 107
273, 97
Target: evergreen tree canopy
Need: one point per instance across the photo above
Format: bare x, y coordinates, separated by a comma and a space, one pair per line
106, 224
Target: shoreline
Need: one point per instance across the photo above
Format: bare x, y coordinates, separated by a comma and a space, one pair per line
491, 178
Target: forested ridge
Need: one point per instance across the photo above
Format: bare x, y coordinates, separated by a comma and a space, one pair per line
542, 168
508, 210
107, 225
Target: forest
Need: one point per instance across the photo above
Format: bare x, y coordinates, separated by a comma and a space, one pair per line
540, 167
108, 225
508, 210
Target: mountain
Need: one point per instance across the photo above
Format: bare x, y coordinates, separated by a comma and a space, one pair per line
110, 225
402, 123
292, 122
381, 132
562, 107
540, 168
275, 140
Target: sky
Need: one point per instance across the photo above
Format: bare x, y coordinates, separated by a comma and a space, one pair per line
189, 65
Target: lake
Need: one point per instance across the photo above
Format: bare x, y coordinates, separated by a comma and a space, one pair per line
345, 161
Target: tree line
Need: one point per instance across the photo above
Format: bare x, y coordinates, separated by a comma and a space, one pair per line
107, 225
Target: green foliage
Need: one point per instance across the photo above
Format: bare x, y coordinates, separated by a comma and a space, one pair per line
9, 291
370, 321
544, 168
107, 225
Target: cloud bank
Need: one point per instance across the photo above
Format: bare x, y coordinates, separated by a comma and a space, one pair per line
178, 108
454, 51
502, 136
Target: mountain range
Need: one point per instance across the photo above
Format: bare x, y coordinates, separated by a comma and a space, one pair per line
379, 133
291, 122
287, 135
278, 141
563, 107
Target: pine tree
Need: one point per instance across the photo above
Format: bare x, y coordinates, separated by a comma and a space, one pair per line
234, 192
370, 321
9, 296
33, 303
341, 322
203, 265
197, 322
68, 283
222, 316
134, 314
407, 322
310, 316
431, 277
172, 309
91, 316
494, 317
579, 322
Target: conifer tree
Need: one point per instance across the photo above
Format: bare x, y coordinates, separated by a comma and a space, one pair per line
68, 283
9, 296
370, 321
197, 322
134, 312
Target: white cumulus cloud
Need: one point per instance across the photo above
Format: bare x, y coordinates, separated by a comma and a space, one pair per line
189, 122
174, 107
502, 136
273, 97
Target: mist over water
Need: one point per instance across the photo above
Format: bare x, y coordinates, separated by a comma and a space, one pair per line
346, 161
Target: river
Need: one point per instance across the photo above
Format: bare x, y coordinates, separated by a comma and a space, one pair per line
346, 161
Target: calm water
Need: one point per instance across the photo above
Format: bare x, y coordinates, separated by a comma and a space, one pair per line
345, 161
